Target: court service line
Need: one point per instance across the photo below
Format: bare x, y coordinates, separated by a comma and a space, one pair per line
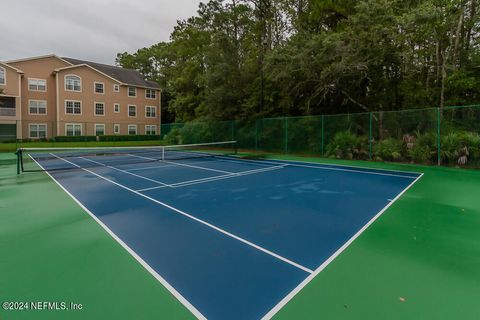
121, 170
204, 180
161, 166
295, 164
231, 235
289, 296
142, 262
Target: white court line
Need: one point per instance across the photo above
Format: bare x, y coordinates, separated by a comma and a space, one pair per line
197, 167
326, 168
124, 171
204, 180
251, 244
160, 166
289, 296
142, 262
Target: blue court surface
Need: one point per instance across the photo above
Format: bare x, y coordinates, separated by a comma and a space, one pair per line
231, 238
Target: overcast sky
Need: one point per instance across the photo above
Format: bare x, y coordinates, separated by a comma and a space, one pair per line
87, 29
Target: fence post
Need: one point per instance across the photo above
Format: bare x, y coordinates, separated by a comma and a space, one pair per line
256, 135
323, 139
370, 137
286, 134
439, 144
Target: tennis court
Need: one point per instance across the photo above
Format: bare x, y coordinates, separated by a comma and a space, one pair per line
229, 237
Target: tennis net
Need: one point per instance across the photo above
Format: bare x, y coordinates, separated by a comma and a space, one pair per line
51, 159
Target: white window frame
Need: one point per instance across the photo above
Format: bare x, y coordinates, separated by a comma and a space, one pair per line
4, 71
155, 110
74, 114
128, 110
151, 91
37, 101
128, 92
37, 80
65, 83
116, 87
150, 126
100, 125
74, 124
115, 126
95, 87
115, 105
131, 126
95, 109
37, 125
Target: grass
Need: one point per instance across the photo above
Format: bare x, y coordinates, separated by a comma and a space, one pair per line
11, 147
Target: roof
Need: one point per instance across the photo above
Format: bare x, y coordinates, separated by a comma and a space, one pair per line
38, 58
125, 76
11, 67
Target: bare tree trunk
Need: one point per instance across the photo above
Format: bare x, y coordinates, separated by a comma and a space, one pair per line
444, 76
458, 37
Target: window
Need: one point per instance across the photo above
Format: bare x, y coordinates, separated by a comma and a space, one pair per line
73, 83
132, 91
116, 88
116, 107
99, 87
132, 111
37, 107
73, 129
3, 76
99, 109
116, 128
37, 85
132, 129
150, 129
99, 129
150, 94
37, 131
150, 112
73, 107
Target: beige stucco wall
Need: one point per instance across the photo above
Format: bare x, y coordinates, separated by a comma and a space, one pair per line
12, 86
39, 69
88, 98
44, 68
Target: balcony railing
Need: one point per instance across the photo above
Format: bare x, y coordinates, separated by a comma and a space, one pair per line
8, 112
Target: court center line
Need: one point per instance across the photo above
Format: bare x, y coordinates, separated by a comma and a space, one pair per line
142, 262
323, 168
289, 296
231, 235
204, 180
121, 170
182, 164
161, 166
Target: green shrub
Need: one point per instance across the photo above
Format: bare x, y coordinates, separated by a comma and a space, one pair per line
389, 149
346, 145
424, 149
450, 145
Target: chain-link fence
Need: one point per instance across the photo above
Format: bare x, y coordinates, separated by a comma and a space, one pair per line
448, 136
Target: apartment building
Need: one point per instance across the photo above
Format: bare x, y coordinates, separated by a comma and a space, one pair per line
49, 96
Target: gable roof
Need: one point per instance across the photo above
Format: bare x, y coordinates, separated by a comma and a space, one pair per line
38, 58
125, 76
9, 66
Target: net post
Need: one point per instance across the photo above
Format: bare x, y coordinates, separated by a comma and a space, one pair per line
286, 134
370, 137
439, 121
18, 153
163, 153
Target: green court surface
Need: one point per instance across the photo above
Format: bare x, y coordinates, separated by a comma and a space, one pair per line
419, 260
